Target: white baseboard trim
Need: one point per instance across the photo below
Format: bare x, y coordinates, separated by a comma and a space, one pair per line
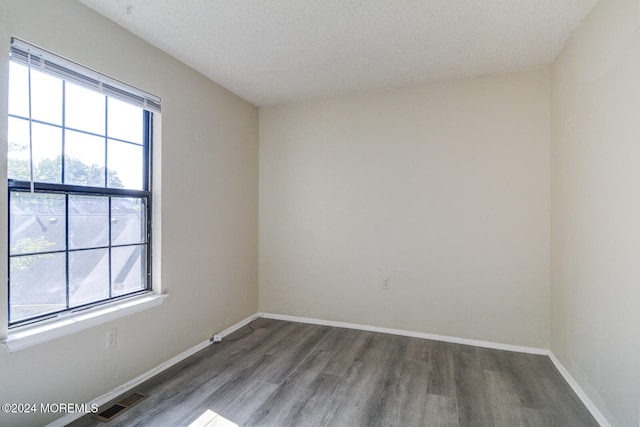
478, 343
240, 324
402, 332
579, 391
107, 397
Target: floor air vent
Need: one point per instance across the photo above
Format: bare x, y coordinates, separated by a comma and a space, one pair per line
120, 406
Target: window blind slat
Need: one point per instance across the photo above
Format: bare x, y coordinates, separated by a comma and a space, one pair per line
23, 52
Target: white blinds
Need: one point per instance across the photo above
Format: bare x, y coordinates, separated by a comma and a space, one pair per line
47, 62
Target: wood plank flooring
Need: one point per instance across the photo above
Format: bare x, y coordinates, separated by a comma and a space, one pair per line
277, 373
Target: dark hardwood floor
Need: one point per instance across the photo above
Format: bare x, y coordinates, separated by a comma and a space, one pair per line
276, 373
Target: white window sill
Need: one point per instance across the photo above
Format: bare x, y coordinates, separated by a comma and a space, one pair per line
30, 335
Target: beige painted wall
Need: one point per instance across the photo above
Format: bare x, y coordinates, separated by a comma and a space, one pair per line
595, 151
209, 212
443, 188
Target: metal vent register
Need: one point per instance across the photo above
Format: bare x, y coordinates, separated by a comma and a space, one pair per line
120, 406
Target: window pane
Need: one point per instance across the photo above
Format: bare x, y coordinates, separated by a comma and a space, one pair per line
128, 221
88, 221
84, 159
47, 153
37, 222
38, 285
18, 152
125, 165
84, 109
74, 244
18, 90
88, 276
46, 97
125, 121
128, 269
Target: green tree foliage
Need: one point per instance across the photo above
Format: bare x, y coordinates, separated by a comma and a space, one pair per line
28, 245
50, 170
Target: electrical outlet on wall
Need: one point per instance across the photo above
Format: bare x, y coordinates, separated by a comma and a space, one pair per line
111, 338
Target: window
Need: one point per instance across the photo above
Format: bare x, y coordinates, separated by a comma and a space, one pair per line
79, 179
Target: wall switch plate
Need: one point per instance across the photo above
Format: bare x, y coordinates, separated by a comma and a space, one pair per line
386, 284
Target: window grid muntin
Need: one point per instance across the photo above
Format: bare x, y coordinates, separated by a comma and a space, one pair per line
42, 122
24, 53
110, 192
145, 243
105, 135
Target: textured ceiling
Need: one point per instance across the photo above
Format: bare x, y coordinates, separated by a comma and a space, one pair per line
277, 51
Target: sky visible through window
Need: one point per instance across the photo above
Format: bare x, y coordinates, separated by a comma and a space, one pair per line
70, 250
89, 123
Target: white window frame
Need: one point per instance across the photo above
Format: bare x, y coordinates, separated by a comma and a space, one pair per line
71, 321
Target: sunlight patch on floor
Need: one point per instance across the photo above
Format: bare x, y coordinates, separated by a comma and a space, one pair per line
210, 418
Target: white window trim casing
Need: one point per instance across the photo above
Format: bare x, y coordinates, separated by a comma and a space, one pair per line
26, 336
22, 337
